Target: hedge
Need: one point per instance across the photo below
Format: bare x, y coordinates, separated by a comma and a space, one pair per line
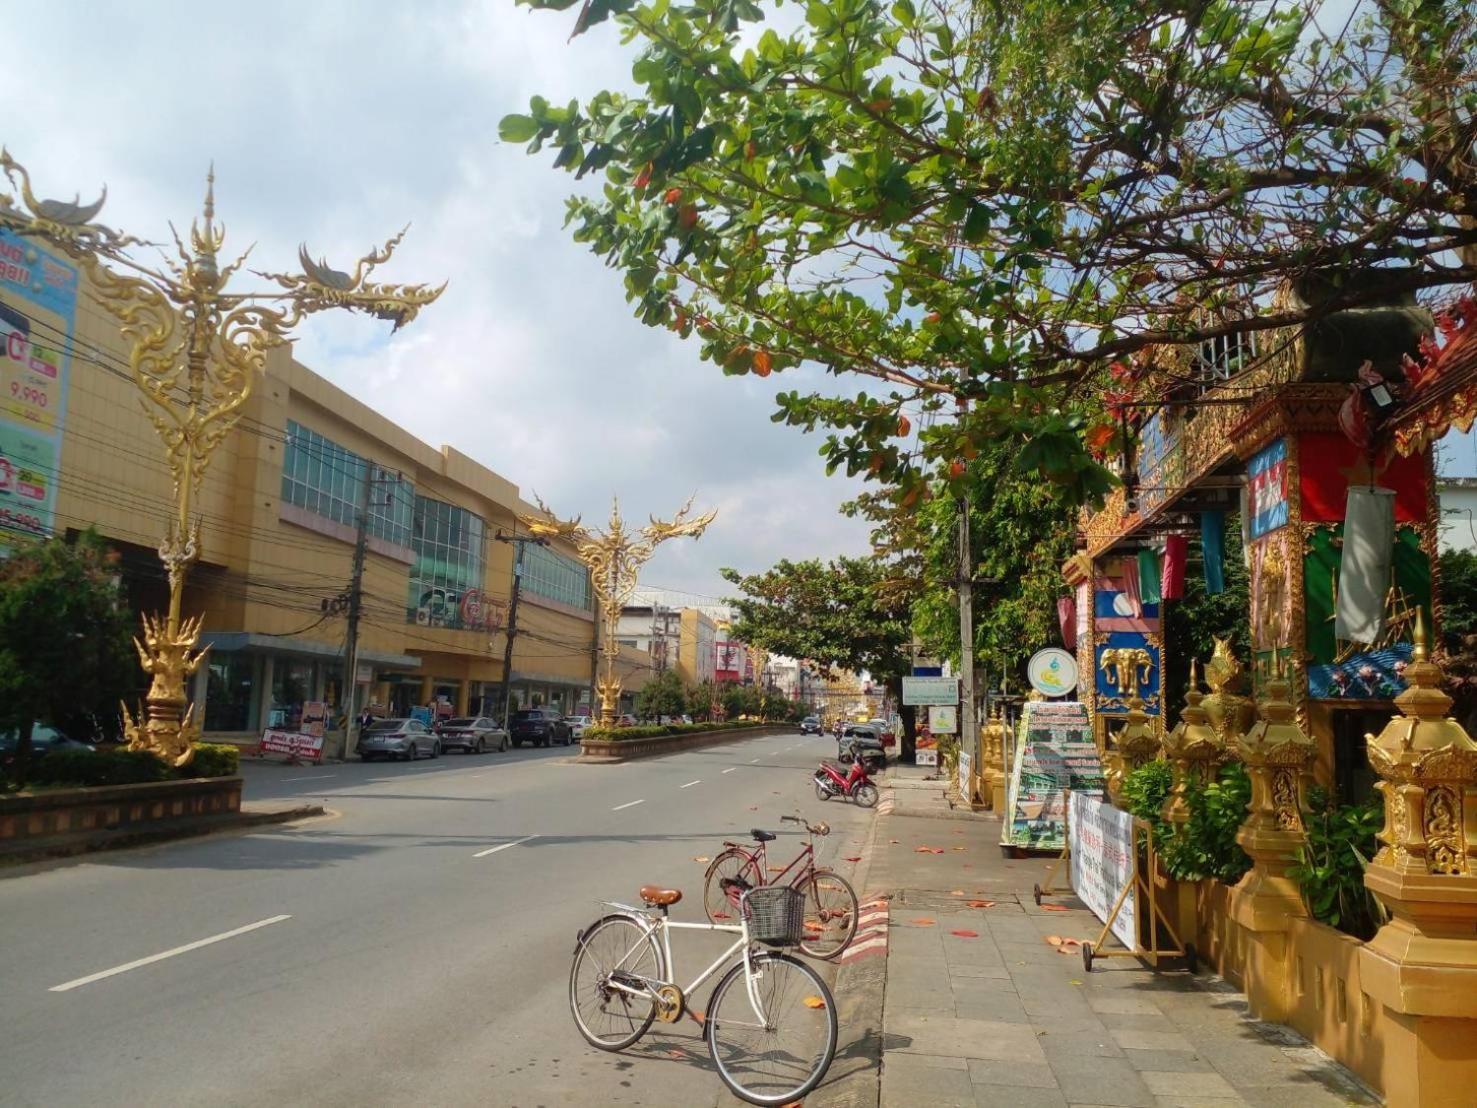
214, 760
653, 731
129, 767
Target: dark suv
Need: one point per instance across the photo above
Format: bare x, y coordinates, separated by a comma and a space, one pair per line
539, 726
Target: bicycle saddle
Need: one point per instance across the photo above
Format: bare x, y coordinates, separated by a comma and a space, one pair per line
662, 898
763, 836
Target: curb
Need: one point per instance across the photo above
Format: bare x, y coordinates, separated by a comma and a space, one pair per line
12, 861
659, 746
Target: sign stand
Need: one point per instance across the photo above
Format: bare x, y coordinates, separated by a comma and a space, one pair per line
1139, 888
1049, 889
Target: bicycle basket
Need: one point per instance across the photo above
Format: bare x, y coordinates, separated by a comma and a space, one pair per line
776, 915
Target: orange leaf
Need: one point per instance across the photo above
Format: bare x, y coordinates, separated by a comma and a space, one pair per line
814, 1002
856, 859
1055, 908
981, 904
958, 848
956, 892
1054, 940
923, 921
701, 858
965, 933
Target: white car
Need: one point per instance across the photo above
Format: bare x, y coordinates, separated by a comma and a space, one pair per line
577, 726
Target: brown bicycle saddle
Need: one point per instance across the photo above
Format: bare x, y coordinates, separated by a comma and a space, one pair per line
662, 898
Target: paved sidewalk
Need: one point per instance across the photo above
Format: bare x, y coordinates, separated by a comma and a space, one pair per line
980, 1008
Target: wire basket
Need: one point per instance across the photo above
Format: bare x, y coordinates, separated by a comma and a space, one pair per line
776, 915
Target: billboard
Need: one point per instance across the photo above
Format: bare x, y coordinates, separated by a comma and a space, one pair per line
38, 319
730, 660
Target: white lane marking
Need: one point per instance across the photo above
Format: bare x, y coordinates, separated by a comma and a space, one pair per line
152, 958
753, 761
629, 804
504, 846
690, 784
311, 777
730, 769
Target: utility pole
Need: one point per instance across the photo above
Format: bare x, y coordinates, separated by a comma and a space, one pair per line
518, 542
969, 738
356, 597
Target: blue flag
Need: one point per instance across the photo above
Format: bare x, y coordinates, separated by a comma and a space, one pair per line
1212, 542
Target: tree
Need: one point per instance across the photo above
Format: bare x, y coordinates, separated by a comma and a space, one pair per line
739, 700
702, 700
662, 696
982, 203
65, 653
837, 615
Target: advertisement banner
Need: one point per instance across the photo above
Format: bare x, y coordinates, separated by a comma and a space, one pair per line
966, 776
315, 718
295, 744
1054, 753
1102, 863
943, 719
922, 691
38, 318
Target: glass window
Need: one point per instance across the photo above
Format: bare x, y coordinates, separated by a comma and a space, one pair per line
320, 475
550, 574
450, 562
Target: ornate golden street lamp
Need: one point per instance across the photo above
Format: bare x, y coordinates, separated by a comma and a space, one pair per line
614, 560
195, 352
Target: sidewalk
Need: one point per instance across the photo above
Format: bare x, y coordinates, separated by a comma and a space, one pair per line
980, 1008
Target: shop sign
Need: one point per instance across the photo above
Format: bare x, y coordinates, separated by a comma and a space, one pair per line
1052, 672
921, 691
943, 719
1055, 754
315, 718
295, 744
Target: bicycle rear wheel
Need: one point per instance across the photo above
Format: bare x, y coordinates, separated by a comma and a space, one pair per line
733, 864
779, 1053
831, 913
614, 948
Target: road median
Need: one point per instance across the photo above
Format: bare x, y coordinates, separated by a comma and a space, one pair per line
605, 752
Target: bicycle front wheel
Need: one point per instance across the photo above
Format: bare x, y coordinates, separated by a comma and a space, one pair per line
731, 864
831, 913
774, 1043
615, 950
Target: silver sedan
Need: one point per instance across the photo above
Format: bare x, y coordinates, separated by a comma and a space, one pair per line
473, 735
398, 738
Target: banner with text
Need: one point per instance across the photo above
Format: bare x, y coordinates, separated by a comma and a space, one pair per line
295, 744
1054, 753
1102, 863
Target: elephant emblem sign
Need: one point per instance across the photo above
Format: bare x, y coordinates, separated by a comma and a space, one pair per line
1127, 667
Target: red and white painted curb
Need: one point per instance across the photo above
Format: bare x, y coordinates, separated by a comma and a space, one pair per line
885, 805
871, 932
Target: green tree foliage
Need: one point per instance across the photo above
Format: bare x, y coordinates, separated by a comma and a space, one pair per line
1458, 575
1193, 623
65, 655
663, 695
985, 202
702, 698
739, 700
1340, 841
1205, 845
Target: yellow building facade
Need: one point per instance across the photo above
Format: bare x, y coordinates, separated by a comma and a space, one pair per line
278, 511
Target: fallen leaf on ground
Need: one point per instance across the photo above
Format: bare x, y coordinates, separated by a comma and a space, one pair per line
965, 933
923, 921
1054, 940
856, 859
956, 892
814, 1002
980, 904
753, 807
679, 1054
776, 869
894, 841
701, 858
927, 850
1055, 908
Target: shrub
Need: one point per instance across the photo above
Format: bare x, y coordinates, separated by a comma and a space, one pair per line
1330, 866
214, 760
1205, 845
653, 730
102, 767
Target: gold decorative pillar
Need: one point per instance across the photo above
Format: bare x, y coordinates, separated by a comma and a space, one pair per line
1422, 965
994, 777
1137, 744
1228, 711
1194, 749
1279, 759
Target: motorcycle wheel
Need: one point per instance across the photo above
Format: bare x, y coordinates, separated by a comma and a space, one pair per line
866, 795
821, 792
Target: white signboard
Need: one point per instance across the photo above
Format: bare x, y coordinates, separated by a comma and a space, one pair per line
930, 690
966, 789
1052, 672
926, 757
943, 719
292, 743
1102, 862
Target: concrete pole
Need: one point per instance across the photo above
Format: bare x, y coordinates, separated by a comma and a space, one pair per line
969, 736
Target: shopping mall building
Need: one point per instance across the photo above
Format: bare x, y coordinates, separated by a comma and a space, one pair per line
278, 510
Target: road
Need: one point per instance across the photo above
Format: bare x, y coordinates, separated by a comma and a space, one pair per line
413, 947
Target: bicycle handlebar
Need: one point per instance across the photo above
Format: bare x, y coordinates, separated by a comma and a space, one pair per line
815, 829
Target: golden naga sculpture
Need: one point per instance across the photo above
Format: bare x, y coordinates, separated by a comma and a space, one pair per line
1128, 668
195, 353
1230, 713
1135, 745
614, 559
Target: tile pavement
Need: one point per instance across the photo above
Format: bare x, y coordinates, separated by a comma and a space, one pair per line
1000, 1018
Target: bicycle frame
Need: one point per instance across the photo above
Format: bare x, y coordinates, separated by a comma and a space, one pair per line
651, 923
759, 859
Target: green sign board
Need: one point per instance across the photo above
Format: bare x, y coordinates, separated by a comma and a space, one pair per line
1054, 754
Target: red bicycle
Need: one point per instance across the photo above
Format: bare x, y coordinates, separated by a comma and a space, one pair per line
831, 907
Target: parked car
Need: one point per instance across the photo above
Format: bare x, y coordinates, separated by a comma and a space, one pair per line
577, 726
44, 740
626, 720
867, 740
474, 735
810, 725
884, 732
398, 738
539, 726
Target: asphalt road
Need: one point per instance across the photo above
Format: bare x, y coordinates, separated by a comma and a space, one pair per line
411, 948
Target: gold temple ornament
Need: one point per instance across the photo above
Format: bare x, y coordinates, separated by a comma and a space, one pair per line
614, 558
195, 351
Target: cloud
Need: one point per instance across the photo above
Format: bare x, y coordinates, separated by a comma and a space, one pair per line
334, 124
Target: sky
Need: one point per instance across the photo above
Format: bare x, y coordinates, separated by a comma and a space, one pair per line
336, 123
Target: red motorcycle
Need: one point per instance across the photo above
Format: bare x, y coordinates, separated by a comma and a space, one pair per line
853, 782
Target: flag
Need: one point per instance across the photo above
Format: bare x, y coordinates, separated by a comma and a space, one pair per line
1172, 586
1130, 574
1364, 570
1148, 576
1066, 614
1212, 542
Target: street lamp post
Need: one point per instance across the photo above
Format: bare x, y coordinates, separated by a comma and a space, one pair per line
195, 351
614, 559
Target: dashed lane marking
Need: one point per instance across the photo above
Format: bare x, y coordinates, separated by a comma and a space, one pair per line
152, 958
690, 784
503, 846
730, 769
628, 804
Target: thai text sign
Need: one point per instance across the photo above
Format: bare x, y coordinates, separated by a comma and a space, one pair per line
930, 690
1055, 753
294, 744
1102, 863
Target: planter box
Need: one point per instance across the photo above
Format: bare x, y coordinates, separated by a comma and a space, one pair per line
612, 751
86, 811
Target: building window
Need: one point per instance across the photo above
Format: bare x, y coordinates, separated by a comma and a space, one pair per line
321, 476
555, 577
450, 562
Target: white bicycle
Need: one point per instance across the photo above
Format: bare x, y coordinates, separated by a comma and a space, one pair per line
770, 1024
